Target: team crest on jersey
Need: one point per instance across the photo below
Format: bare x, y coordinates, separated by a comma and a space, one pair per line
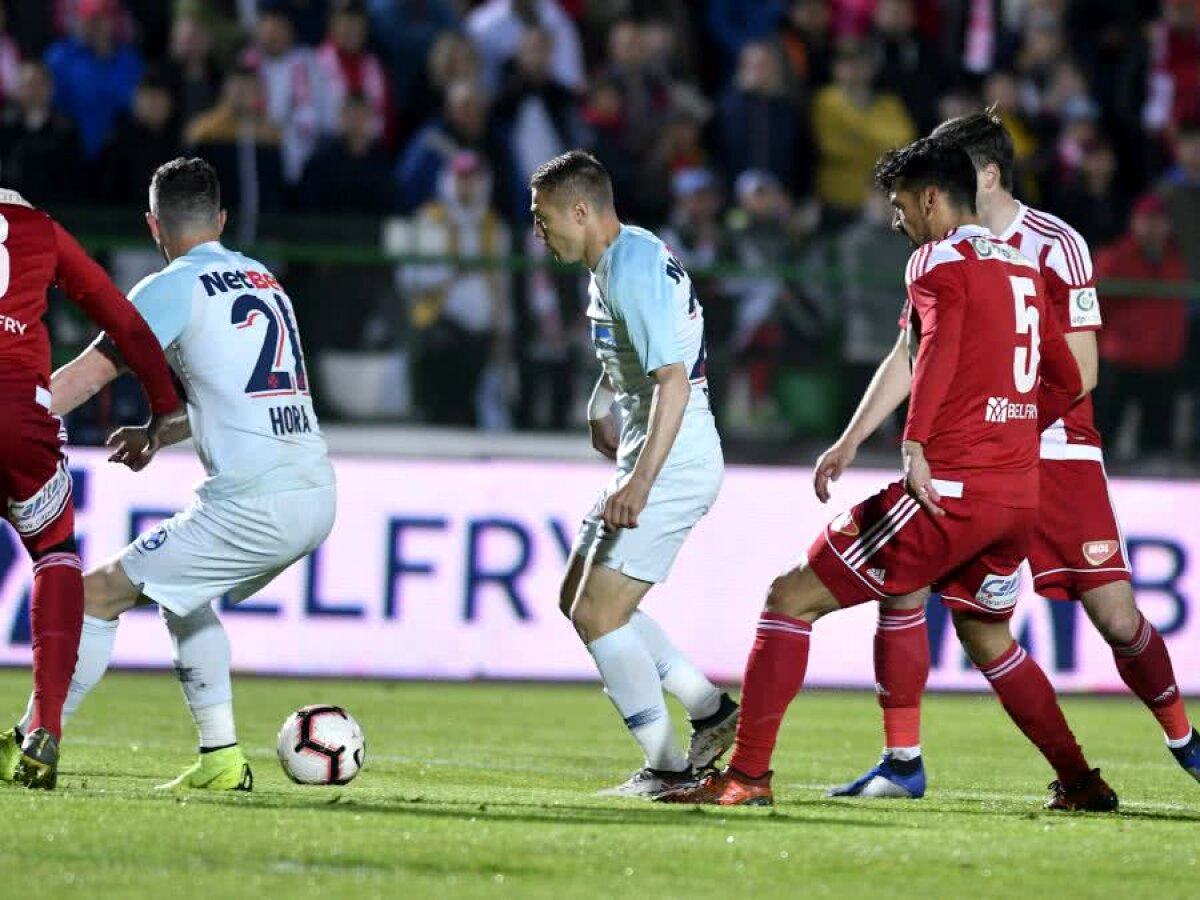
155, 539
845, 524
1097, 552
603, 337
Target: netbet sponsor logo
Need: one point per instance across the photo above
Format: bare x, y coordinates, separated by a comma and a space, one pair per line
1001, 409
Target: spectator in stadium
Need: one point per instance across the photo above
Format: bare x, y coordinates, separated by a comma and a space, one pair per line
95, 74
642, 82
853, 124
461, 312
295, 91
1144, 337
404, 33
242, 144
807, 42
464, 124
603, 116
733, 24
310, 18
348, 67
537, 113
867, 254
497, 26
761, 126
910, 63
1173, 77
40, 152
140, 143
350, 172
1091, 198
977, 38
677, 147
452, 58
192, 70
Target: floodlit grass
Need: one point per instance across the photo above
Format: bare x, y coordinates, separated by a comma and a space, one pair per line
487, 791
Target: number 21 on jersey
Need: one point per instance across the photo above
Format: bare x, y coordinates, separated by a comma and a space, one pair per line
269, 378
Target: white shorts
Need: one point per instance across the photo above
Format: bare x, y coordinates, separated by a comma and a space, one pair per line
231, 546
680, 497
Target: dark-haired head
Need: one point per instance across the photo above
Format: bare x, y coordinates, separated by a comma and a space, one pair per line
185, 204
931, 185
985, 139
572, 195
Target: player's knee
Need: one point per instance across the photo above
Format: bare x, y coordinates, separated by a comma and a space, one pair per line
566, 596
107, 592
799, 595
983, 639
1117, 621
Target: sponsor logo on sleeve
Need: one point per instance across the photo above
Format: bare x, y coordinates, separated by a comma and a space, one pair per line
1098, 552
999, 592
1085, 307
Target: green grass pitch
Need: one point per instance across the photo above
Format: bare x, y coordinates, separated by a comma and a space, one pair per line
486, 790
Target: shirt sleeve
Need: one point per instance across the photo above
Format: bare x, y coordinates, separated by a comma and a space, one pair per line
642, 295
166, 309
1071, 285
939, 300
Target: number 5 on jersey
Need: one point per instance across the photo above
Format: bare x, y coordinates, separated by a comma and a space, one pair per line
268, 379
1026, 359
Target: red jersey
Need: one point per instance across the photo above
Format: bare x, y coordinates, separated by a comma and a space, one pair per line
977, 317
36, 253
1062, 255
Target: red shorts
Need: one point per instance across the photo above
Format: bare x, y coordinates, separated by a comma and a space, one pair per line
35, 486
888, 546
1077, 544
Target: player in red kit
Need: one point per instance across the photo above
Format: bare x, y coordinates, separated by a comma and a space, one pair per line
1077, 551
962, 516
35, 486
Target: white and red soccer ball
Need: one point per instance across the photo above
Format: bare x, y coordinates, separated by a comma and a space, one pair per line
321, 744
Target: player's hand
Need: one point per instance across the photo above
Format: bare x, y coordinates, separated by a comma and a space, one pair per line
832, 463
624, 505
918, 480
604, 435
129, 446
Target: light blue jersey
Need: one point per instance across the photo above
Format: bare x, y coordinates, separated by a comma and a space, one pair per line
230, 335
645, 315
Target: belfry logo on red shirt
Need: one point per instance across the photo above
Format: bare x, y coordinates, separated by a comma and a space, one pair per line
1097, 552
1001, 409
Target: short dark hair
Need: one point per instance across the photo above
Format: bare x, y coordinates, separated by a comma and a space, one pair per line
575, 173
985, 139
185, 194
929, 162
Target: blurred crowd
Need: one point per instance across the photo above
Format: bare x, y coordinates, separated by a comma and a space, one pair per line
744, 130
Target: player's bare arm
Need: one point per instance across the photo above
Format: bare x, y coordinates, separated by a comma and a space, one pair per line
671, 393
1087, 357
887, 390
601, 423
80, 380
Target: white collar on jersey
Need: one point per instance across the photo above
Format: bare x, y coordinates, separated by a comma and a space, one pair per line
965, 231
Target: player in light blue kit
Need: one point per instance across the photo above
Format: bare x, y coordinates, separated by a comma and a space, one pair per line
230, 335
648, 331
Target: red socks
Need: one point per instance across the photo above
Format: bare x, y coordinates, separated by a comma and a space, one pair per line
774, 674
1145, 666
56, 614
1029, 700
901, 670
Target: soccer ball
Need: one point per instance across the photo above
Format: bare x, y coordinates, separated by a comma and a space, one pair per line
321, 745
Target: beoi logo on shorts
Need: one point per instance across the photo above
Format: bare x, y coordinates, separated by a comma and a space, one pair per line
154, 539
603, 337
1097, 552
845, 524
31, 516
999, 592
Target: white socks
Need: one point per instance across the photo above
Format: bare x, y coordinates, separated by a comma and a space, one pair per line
202, 661
680, 677
632, 683
903, 753
95, 650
